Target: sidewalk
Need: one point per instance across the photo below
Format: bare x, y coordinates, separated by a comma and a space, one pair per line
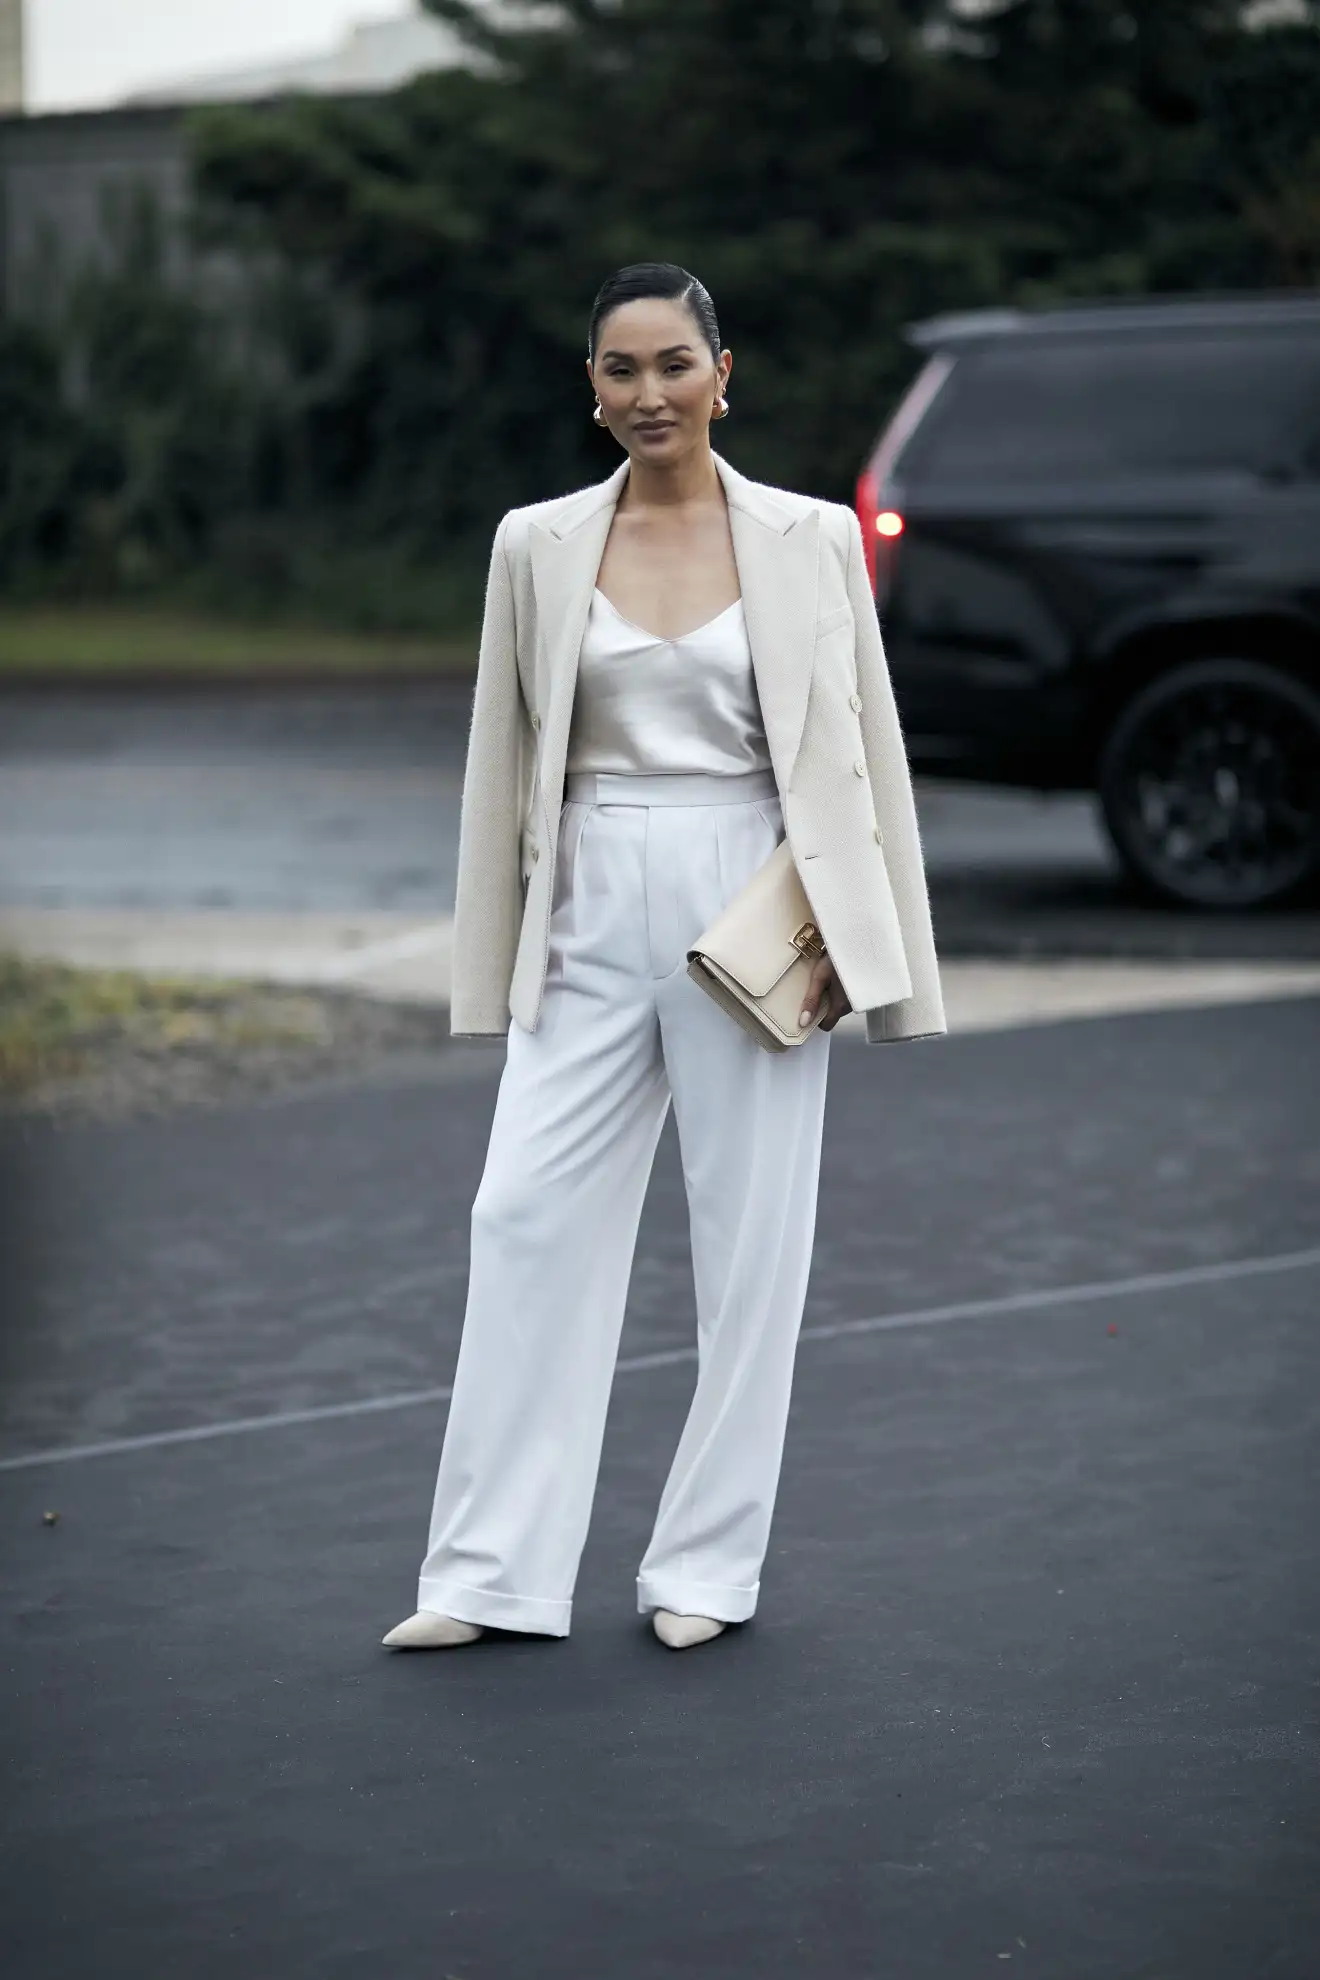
405, 959
391, 955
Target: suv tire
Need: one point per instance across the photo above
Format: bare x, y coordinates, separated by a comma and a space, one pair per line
1210, 784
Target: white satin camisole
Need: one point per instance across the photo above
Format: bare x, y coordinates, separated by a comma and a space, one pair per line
650, 706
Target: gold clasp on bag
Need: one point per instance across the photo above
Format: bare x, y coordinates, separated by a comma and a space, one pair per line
808, 941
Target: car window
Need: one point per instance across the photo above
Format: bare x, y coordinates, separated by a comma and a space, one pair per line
1028, 409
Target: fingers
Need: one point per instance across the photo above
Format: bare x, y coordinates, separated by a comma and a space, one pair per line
822, 975
836, 1002
839, 1007
835, 1005
824, 991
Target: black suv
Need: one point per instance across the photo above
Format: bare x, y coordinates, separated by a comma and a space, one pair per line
1096, 536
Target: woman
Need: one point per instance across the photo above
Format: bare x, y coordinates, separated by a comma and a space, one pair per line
675, 666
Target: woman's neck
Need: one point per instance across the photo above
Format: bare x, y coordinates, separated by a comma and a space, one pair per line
693, 479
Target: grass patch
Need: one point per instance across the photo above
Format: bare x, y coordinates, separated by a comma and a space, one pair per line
83, 642
57, 1022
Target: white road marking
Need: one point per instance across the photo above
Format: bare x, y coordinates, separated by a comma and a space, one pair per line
639, 1364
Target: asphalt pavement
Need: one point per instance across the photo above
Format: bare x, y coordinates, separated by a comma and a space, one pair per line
1032, 1685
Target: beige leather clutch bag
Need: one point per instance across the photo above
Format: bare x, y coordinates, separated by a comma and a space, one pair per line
756, 958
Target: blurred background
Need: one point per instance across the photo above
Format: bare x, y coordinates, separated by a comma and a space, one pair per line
292, 307
294, 298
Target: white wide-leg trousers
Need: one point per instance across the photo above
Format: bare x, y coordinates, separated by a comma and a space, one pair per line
644, 863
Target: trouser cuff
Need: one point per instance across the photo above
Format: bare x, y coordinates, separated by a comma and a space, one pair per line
493, 1610
696, 1598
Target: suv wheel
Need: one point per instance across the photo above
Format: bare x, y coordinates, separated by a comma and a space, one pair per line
1210, 783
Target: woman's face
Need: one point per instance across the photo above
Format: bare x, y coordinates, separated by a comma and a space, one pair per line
656, 379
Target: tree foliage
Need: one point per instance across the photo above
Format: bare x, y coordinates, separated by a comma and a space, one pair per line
831, 169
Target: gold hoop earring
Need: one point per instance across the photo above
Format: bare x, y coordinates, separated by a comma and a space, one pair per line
599, 414
720, 410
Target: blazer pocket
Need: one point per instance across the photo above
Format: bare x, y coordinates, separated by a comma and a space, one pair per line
840, 616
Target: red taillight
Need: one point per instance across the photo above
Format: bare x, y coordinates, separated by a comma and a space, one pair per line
878, 525
868, 504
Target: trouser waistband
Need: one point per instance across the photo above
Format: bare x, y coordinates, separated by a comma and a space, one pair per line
602, 787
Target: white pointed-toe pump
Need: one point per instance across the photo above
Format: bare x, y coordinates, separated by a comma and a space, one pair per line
685, 1632
428, 1631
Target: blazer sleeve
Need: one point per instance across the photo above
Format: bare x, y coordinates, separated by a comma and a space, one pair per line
488, 901
922, 1014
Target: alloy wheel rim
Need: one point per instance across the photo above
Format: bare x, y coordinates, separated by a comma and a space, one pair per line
1221, 793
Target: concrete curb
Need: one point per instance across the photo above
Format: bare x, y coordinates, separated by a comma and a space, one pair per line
401, 959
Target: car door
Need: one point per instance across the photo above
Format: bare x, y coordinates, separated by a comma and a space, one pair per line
1061, 487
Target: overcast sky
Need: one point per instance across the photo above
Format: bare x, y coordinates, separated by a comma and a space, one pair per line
83, 52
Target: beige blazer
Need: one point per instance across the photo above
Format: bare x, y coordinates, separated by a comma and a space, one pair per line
829, 719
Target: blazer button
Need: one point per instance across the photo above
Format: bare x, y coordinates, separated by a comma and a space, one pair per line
859, 768
536, 721
879, 836
855, 702
536, 851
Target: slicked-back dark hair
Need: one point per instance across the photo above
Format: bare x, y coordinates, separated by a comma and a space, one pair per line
663, 280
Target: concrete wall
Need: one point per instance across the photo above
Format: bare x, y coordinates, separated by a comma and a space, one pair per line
56, 174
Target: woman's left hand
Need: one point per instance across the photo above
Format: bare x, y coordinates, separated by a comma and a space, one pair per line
827, 993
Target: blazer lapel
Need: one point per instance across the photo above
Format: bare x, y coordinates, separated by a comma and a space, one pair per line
566, 551
777, 550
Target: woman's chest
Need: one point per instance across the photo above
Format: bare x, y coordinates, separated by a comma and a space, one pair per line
670, 577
